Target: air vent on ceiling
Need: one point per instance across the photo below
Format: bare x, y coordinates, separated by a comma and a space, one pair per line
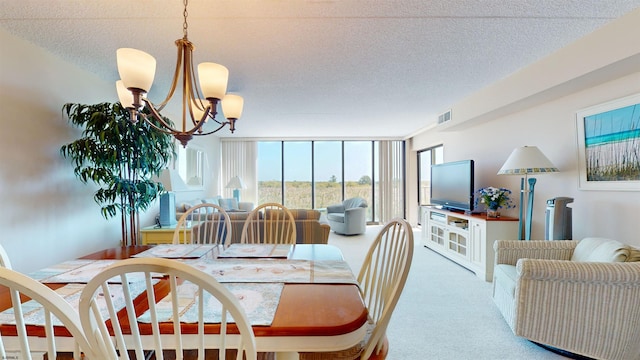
444, 117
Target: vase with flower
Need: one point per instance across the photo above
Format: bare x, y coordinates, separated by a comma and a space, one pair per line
494, 199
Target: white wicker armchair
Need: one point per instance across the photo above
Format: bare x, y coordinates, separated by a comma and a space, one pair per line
571, 300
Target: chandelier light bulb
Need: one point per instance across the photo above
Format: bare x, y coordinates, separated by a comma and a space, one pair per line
213, 80
197, 107
136, 68
124, 95
232, 106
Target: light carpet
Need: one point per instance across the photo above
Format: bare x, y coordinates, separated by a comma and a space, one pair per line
445, 311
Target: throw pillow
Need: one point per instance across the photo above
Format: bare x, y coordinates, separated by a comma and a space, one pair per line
228, 204
213, 201
600, 250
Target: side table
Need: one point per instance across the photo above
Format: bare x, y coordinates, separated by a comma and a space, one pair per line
164, 235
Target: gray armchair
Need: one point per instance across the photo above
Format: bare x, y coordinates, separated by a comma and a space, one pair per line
348, 218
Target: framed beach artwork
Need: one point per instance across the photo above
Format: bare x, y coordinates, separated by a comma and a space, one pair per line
609, 145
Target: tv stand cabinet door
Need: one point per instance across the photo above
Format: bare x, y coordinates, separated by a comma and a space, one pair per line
478, 254
483, 235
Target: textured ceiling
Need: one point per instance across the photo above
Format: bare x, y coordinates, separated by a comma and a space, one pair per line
321, 68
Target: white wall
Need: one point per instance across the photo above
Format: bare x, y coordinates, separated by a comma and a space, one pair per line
48, 215
211, 147
537, 106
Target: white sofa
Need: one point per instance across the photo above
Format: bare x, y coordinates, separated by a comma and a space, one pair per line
578, 296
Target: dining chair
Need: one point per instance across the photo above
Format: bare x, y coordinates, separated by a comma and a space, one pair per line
204, 224
46, 305
269, 223
4, 258
132, 339
381, 278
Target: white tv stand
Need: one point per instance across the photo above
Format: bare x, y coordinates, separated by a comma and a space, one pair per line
465, 238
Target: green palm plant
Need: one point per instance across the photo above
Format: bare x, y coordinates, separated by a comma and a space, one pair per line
121, 158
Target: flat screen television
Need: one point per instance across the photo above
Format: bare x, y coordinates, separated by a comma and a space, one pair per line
452, 185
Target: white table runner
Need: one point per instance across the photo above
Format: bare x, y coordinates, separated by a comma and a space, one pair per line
257, 251
180, 251
77, 271
33, 312
259, 302
276, 270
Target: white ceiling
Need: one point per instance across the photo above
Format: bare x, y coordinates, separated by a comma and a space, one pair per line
321, 68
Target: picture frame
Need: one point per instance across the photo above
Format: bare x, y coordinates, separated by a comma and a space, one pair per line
191, 166
608, 137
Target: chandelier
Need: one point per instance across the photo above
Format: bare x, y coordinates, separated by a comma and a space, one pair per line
137, 70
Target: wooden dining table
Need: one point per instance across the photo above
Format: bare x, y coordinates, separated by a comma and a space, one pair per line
309, 316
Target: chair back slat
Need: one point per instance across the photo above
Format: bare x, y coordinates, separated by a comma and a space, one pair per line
383, 275
5, 261
269, 223
54, 307
204, 224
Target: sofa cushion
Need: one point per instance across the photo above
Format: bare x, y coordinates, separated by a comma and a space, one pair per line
505, 275
180, 208
228, 204
238, 215
600, 250
213, 201
185, 206
337, 217
354, 202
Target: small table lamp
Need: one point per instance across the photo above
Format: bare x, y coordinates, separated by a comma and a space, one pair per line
236, 184
171, 182
524, 161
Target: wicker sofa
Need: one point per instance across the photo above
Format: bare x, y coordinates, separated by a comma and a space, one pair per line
578, 296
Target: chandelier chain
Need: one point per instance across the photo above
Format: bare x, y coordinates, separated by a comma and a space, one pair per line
184, 24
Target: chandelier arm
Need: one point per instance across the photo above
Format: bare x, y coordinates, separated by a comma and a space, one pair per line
187, 90
199, 124
212, 117
196, 94
171, 130
214, 131
180, 44
158, 117
168, 131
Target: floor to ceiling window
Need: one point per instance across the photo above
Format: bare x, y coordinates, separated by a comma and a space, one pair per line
270, 170
359, 172
316, 174
297, 160
327, 173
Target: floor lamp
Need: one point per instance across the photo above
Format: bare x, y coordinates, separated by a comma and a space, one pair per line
524, 161
236, 184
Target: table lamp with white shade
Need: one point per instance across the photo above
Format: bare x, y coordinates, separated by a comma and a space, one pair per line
524, 161
236, 184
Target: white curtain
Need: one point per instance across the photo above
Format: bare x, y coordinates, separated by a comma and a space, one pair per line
391, 183
239, 158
